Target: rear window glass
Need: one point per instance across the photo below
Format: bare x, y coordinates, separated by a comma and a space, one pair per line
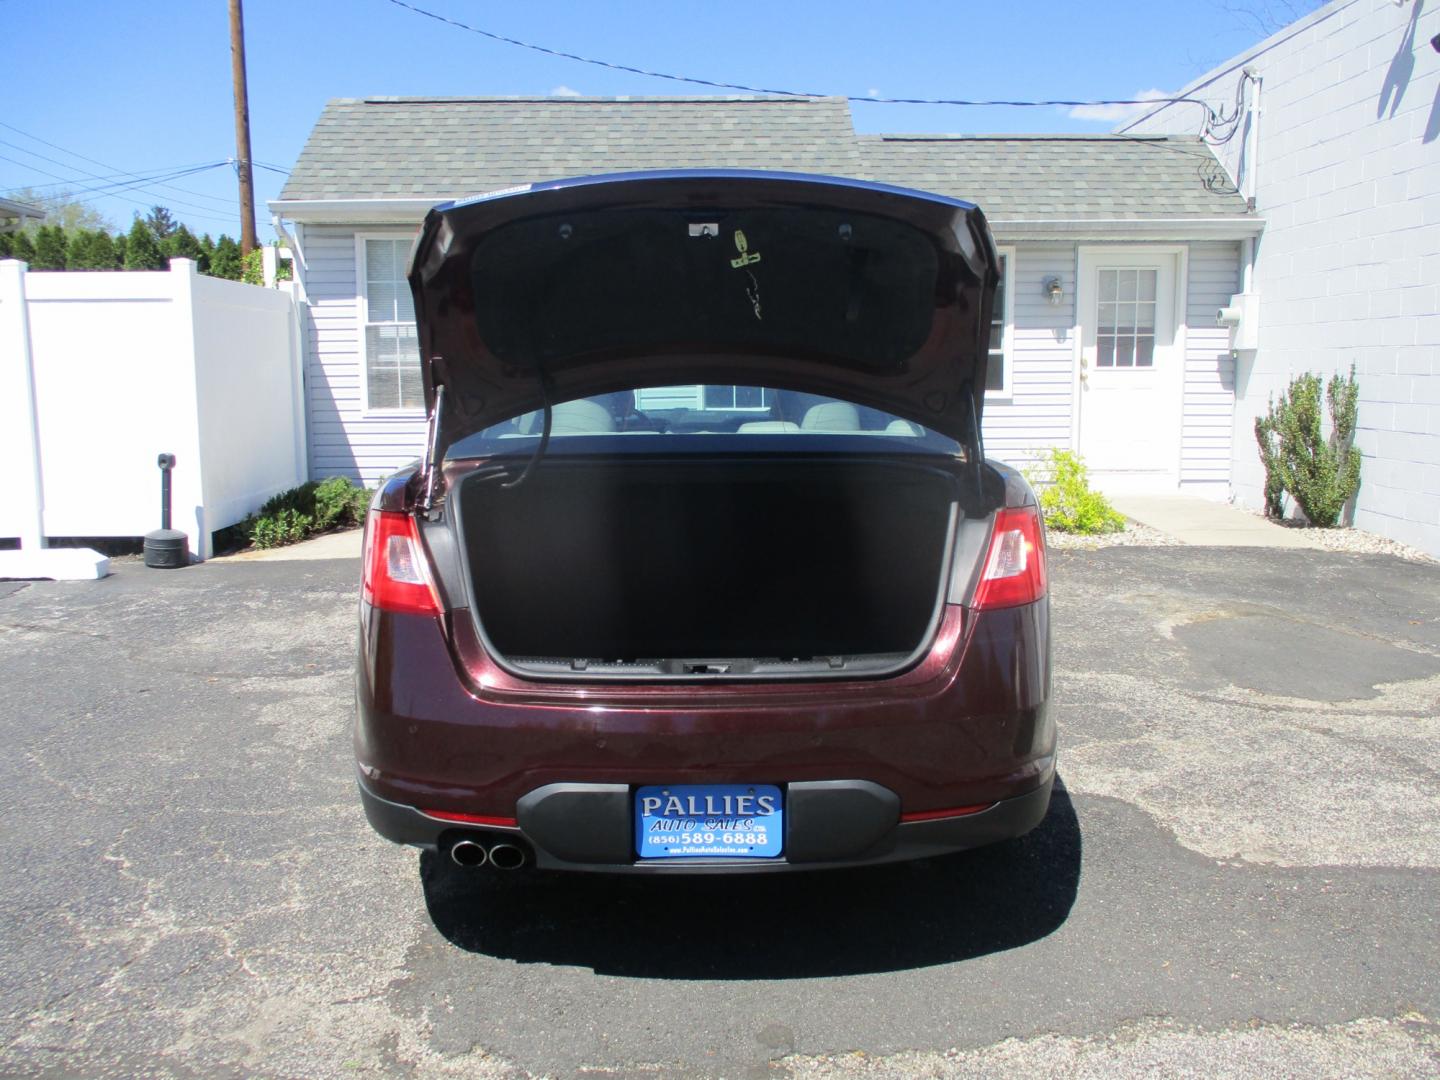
857, 290
696, 411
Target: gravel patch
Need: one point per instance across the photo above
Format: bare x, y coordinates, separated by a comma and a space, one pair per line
1351, 541
1354, 541
1133, 535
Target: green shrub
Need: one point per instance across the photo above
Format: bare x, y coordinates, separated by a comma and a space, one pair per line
1270, 459
252, 268
293, 515
287, 526
338, 501
1321, 474
300, 499
1066, 500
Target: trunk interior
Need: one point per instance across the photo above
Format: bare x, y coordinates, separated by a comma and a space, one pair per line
709, 567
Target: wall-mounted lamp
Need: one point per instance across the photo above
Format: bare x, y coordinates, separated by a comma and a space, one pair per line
1053, 290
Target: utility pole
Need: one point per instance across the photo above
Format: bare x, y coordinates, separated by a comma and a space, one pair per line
242, 129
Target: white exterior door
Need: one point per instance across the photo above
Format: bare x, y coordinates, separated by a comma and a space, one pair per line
1131, 368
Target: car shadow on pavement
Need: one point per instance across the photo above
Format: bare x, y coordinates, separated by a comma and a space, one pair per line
770, 926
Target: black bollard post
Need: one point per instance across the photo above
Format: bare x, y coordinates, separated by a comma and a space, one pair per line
166, 548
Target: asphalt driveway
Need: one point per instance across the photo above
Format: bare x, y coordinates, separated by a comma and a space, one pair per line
1241, 874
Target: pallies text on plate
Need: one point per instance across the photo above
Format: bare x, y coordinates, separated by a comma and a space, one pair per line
708, 805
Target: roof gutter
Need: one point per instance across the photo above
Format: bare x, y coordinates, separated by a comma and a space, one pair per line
410, 211
1171, 229
354, 211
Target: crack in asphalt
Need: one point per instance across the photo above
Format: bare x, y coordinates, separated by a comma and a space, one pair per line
199, 894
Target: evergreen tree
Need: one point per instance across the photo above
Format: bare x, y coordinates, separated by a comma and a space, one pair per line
119, 240
91, 249
49, 248
142, 252
5, 245
225, 262
22, 248
162, 224
181, 244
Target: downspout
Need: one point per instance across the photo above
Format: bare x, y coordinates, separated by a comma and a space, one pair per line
281, 232
1252, 182
1252, 142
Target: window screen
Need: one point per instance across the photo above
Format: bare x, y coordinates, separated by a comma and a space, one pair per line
995, 373
392, 352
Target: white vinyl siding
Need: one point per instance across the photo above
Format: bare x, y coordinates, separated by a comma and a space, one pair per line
1035, 413
1205, 448
392, 358
344, 439
1038, 413
668, 397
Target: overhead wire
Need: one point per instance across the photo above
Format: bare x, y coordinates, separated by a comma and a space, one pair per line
95, 161
118, 186
87, 195
121, 177
125, 183
1210, 114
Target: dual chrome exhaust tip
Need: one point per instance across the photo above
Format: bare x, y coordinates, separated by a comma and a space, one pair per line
472, 854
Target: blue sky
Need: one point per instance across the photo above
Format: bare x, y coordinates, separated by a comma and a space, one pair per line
145, 86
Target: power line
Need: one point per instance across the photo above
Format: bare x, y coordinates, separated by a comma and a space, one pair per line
95, 161
115, 177
718, 85
118, 194
105, 190
180, 171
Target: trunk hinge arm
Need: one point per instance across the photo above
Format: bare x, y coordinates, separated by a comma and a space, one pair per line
977, 441
430, 469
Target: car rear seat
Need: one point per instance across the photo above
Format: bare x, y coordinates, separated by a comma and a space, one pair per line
832, 416
758, 427
579, 417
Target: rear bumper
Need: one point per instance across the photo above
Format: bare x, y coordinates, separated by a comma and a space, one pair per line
829, 824
447, 731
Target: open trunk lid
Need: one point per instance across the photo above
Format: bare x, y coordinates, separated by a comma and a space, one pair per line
873, 294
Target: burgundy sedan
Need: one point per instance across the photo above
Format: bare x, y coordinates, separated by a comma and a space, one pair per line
705, 569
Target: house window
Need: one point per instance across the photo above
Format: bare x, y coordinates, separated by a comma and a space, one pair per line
1125, 323
392, 350
737, 397
1002, 329
727, 398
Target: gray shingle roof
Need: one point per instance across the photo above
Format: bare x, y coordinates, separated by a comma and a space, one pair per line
452, 147
1060, 176
440, 148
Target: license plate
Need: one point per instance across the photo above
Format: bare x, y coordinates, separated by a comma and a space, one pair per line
709, 821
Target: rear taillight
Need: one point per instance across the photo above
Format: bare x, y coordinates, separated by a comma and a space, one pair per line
1015, 565
395, 576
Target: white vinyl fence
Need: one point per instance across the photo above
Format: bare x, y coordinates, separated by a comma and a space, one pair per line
116, 368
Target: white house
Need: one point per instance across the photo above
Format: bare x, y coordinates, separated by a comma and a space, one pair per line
1118, 251
1338, 143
